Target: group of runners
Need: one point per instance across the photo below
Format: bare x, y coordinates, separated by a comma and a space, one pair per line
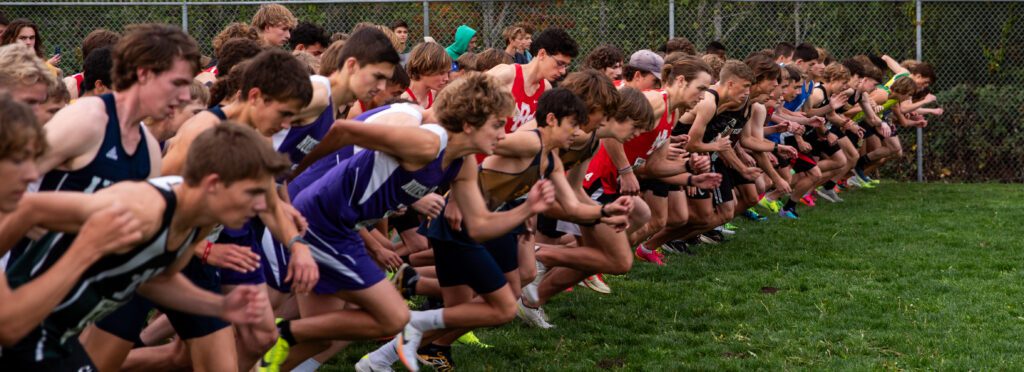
298, 194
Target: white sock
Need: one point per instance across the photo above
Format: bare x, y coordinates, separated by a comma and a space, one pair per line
427, 320
385, 355
719, 229
310, 365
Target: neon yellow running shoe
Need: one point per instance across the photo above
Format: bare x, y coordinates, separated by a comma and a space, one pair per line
469, 338
770, 205
875, 182
275, 357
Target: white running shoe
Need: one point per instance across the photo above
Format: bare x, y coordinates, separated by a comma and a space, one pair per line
532, 317
408, 342
365, 365
597, 284
826, 194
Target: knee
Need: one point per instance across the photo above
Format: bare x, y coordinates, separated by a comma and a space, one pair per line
395, 321
621, 266
261, 341
527, 273
505, 312
656, 223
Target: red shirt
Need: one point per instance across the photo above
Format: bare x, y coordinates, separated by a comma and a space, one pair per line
526, 106
637, 151
430, 98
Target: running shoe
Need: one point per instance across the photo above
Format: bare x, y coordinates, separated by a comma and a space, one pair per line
679, 246
712, 237
365, 365
770, 205
752, 215
730, 226
808, 200
404, 279
275, 357
407, 343
469, 338
789, 213
827, 194
597, 284
440, 357
865, 182
874, 181
651, 257
533, 317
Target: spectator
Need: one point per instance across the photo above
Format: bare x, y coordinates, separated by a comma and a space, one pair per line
27, 32
465, 40
401, 30
517, 44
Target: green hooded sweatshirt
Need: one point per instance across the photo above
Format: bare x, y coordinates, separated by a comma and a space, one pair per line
462, 37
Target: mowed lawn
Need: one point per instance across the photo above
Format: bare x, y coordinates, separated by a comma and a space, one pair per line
905, 276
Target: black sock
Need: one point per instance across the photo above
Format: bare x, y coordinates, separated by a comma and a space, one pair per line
790, 205
284, 328
410, 283
863, 161
829, 185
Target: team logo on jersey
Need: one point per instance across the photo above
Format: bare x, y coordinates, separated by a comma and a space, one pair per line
416, 189
522, 115
307, 144
112, 154
588, 176
658, 141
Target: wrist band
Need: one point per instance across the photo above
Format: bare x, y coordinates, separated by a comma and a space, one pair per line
603, 212
689, 181
625, 170
296, 239
775, 148
206, 251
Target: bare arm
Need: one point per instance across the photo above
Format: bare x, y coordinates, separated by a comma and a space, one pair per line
518, 144
567, 198
73, 132
894, 65
174, 160
316, 106
703, 113
401, 141
481, 224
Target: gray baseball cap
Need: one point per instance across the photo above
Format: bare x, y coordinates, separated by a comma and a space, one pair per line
647, 60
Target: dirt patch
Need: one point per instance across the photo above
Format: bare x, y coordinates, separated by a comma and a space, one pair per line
769, 290
611, 363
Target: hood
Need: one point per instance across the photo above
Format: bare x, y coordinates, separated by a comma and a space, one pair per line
462, 37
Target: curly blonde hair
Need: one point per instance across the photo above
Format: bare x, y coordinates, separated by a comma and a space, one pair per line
19, 66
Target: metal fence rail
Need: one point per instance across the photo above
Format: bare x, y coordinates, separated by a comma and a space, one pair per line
977, 48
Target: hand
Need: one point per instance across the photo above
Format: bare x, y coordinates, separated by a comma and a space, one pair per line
772, 159
385, 258
453, 214
621, 206
929, 98
838, 100
618, 223
783, 186
885, 129
706, 181
430, 205
939, 111
804, 146
541, 196
751, 173
628, 184
300, 221
857, 129
747, 159
700, 163
815, 122
797, 129
302, 270
681, 139
234, 257
53, 61
788, 151
832, 138
113, 229
676, 151
722, 144
246, 304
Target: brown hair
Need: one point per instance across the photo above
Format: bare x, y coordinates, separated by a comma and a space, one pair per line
20, 66
511, 33
153, 47
763, 66
680, 64
312, 63
278, 75
234, 51
10, 35
794, 73
526, 26
491, 57
473, 99
234, 30
715, 62
924, 69
603, 57
199, 92
58, 93
836, 72
19, 130
904, 86
595, 89
235, 153
680, 44
273, 15
633, 105
428, 59
467, 61
99, 38
735, 69
330, 60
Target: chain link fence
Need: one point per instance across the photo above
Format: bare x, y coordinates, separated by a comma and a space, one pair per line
977, 48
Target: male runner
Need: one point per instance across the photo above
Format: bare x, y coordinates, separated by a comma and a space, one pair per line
274, 23
428, 73
553, 51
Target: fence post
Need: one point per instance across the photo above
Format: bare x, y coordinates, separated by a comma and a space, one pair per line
671, 19
184, 15
920, 132
426, 18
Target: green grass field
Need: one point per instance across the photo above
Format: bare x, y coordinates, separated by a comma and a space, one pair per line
906, 276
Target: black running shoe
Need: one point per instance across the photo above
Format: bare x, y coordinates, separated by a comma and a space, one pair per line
440, 357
